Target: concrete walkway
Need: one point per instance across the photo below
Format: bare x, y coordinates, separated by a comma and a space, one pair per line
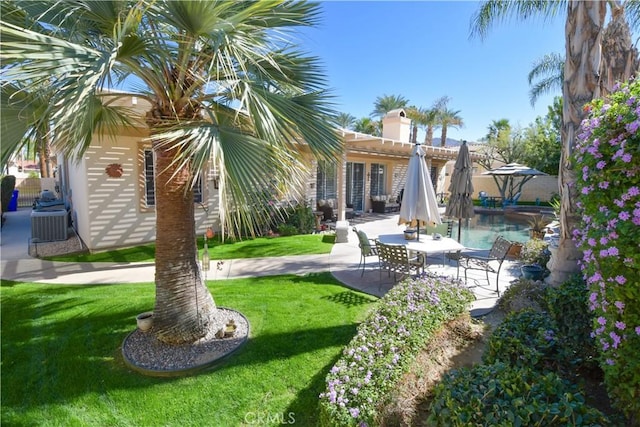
342, 262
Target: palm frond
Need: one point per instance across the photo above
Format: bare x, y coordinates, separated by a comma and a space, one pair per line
493, 12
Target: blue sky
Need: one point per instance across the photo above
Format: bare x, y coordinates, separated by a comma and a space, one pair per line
422, 51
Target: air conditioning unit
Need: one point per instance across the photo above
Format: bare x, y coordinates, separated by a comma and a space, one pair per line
49, 226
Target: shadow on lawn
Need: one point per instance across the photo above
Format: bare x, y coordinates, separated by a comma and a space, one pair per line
55, 350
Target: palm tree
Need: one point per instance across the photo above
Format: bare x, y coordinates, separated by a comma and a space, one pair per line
345, 120
430, 123
223, 85
548, 75
27, 124
448, 118
387, 103
584, 31
368, 126
417, 116
498, 129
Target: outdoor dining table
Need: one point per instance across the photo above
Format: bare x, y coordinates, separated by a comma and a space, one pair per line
426, 245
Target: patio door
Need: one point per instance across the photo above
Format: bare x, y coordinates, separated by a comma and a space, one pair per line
355, 185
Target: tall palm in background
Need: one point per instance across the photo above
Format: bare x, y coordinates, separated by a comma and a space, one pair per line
386, 103
498, 129
345, 120
418, 118
448, 118
224, 83
586, 76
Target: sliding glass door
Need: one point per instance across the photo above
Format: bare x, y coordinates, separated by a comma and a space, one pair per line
355, 185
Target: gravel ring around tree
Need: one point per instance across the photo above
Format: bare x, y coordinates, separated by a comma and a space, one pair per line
144, 353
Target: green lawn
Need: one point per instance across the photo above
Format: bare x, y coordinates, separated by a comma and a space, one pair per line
61, 360
304, 244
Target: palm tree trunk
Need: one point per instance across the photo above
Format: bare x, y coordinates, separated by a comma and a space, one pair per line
428, 138
184, 309
443, 138
621, 59
583, 30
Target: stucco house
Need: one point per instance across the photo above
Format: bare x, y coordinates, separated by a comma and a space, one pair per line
111, 197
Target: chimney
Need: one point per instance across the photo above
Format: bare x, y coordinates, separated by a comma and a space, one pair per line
396, 125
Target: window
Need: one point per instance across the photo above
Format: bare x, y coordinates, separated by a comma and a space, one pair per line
326, 181
378, 179
149, 187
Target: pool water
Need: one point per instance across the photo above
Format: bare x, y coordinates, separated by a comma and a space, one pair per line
482, 230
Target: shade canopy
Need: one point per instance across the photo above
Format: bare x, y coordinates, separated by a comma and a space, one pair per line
460, 204
419, 204
514, 169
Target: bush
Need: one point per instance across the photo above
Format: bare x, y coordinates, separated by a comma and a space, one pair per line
385, 345
568, 306
535, 251
608, 182
523, 294
501, 395
526, 338
287, 230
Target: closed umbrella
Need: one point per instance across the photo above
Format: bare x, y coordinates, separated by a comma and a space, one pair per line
461, 188
419, 204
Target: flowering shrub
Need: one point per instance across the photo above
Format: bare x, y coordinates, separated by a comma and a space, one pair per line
385, 344
608, 155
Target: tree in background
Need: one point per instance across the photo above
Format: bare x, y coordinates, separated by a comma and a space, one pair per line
542, 142
345, 120
223, 88
367, 126
387, 103
586, 75
27, 124
448, 118
505, 145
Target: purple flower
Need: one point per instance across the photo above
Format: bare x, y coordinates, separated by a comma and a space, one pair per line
621, 325
616, 339
624, 215
613, 251
632, 127
354, 412
621, 279
626, 158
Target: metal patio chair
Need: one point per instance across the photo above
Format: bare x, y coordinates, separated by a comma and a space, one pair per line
396, 259
492, 263
367, 248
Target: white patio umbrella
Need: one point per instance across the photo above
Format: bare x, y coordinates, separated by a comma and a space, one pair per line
461, 188
419, 204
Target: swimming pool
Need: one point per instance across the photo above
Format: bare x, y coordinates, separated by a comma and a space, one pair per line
481, 230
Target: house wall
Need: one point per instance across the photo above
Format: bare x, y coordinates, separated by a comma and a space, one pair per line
115, 212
